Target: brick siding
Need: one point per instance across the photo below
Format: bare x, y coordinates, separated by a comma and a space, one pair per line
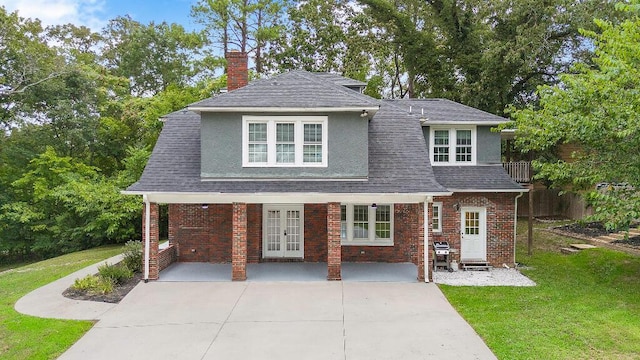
500, 209
154, 270
166, 257
237, 73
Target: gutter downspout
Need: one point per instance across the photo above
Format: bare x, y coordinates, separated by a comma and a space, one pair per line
426, 238
147, 232
515, 228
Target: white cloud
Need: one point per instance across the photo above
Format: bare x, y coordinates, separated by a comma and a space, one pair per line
55, 12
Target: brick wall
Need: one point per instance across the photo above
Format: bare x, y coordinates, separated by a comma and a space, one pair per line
201, 235
254, 233
166, 257
315, 232
406, 233
500, 222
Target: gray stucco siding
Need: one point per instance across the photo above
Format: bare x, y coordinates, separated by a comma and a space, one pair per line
488, 150
221, 149
489, 146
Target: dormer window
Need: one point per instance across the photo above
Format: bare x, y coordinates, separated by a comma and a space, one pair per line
453, 146
284, 141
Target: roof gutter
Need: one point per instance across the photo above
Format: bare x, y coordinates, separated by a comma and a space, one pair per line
269, 109
522, 190
436, 123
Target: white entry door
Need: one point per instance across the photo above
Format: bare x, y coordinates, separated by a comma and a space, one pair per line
283, 231
473, 237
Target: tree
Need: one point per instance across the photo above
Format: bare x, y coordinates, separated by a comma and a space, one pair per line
245, 25
598, 107
151, 56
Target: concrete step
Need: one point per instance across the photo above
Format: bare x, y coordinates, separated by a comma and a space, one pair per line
476, 266
582, 246
569, 251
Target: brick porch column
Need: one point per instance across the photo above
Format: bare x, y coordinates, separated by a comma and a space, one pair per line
334, 247
153, 239
421, 244
239, 243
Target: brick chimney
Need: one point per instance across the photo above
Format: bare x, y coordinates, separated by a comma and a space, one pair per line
237, 74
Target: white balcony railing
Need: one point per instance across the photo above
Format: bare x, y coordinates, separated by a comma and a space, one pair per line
520, 171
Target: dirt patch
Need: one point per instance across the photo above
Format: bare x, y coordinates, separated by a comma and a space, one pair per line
631, 241
593, 229
119, 292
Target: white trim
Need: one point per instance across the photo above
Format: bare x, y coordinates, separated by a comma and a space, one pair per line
271, 122
439, 206
370, 109
371, 219
462, 122
288, 179
147, 233
488, 190
453, 144
277, 198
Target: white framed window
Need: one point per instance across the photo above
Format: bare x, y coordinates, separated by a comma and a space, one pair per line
366, 225
284, 141
453, 146
436, 217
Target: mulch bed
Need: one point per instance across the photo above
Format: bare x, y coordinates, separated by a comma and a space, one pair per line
632, 241
119, 292
592, 229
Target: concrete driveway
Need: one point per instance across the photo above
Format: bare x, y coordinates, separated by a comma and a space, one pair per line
281, 320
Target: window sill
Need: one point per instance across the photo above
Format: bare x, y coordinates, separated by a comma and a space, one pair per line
367, 243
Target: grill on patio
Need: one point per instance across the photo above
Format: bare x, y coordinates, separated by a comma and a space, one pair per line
441, 255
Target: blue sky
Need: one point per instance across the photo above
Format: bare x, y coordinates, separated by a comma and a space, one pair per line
96, 13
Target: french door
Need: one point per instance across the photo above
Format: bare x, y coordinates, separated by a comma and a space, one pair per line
283, 231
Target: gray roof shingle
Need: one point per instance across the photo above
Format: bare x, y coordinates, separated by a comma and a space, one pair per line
438, 111
397, 154
296, 89
481, 177
339, 79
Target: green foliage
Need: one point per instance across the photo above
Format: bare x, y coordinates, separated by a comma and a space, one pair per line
93, 284
116, 273
596, 107
132, 256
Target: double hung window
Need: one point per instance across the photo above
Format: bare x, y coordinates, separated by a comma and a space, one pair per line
281, 141
366, 225
453, 146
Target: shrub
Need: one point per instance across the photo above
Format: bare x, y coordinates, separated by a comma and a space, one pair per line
93, 284
118, 274
133, 255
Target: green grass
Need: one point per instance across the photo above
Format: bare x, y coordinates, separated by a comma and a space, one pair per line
28, 337
586, 306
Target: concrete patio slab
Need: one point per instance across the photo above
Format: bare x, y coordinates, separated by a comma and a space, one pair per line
309, 340
290, 301
168, 341
196, 272
280, 320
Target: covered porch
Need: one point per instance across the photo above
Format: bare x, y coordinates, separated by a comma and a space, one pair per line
218, 241
266, 272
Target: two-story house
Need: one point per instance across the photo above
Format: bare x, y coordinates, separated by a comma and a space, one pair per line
304, 167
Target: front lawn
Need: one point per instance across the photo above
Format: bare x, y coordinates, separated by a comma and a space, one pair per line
586, 306
28, 337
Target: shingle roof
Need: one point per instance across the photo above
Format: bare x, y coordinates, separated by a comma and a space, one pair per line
481, 177
339, 79
297, 89
438, 111
397, 154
